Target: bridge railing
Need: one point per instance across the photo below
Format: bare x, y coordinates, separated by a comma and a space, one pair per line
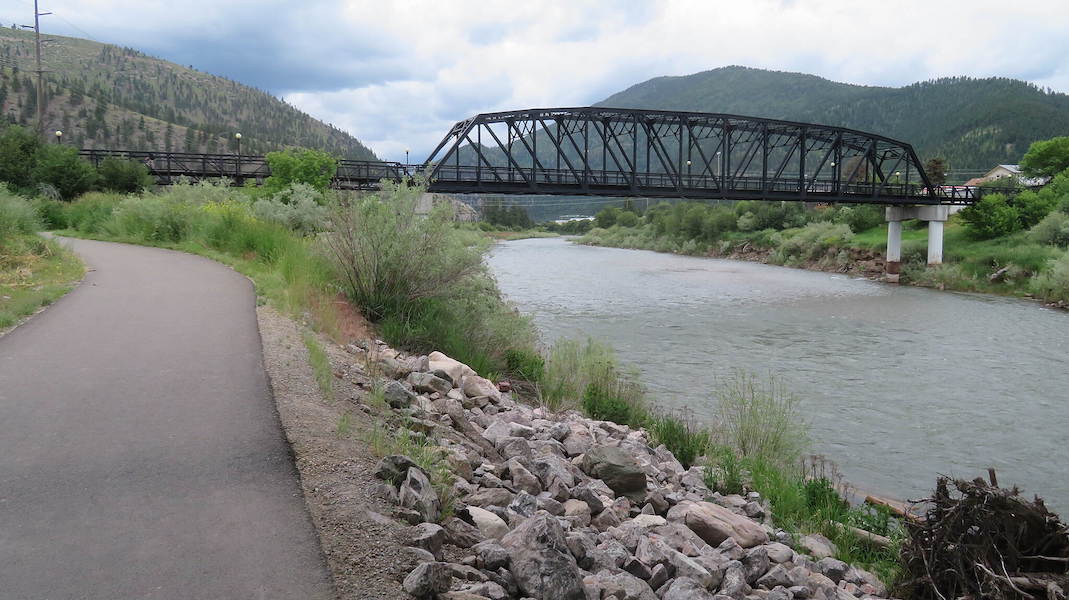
549, 180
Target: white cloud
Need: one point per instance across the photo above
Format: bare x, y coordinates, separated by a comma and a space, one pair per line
398, 74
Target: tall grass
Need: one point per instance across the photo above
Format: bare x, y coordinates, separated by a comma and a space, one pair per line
385, 441
320, 362
760, 419
17, 215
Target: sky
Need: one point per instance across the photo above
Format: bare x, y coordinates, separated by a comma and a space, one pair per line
397, 74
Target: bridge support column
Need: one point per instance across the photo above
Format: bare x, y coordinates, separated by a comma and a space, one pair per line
936, 216
894, 250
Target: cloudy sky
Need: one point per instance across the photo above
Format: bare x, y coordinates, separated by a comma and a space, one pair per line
397, 74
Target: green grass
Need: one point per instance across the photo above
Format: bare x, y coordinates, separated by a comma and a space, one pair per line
320, 362
385, 441
345, 424
876, 237
34, 272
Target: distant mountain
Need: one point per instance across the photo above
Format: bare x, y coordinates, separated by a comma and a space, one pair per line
973, 123
105, 96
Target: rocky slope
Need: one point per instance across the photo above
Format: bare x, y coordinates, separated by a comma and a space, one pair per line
559, 506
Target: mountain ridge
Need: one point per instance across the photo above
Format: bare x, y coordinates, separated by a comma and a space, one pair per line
974, 123
107, 96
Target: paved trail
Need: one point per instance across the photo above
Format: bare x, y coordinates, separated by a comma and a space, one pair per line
141, 455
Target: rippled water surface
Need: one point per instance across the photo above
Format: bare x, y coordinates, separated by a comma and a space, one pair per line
899, 383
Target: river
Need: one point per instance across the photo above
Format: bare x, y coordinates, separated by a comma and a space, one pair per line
898, 384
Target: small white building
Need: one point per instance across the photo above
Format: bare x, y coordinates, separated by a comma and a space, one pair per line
1014, 171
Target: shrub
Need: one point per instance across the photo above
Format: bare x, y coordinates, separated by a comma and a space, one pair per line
91, 211
992, 216
812, 241
607, 216
62, 168
150, 219
570, 366
299, 165
1052, 230
17, 215
1053, 285
627, 219
124, 176
389, 258
52, 212
297, 207
860, 217
724, 472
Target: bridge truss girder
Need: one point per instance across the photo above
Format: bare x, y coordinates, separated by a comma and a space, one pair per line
630, 152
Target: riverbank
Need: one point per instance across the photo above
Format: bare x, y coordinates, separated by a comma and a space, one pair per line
1008, 267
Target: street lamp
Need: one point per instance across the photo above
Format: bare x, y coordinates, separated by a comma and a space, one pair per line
237, 136
406, 156
59, 134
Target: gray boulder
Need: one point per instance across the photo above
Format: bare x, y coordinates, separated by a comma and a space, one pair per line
622, 586
425, 382
818, 546
394, 468
430, 537
833, 569
417, 494
427, 579
618, 469
540, 560
490, 555
685, 588
397, 395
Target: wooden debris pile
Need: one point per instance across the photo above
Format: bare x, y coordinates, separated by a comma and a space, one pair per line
980, 541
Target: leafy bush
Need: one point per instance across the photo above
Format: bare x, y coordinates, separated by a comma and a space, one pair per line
992, 216
124, 176
607, 216
294, 165
63, 169
812, 241
627, 219
860, 217
1052, 230
298, 207
18, 152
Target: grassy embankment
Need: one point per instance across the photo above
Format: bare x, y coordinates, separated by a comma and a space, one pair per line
1026, 262
34, 271
424, 283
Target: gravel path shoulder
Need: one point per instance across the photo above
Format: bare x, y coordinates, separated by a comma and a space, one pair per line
362, 545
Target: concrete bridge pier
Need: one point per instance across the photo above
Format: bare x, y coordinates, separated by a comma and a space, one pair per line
936, 216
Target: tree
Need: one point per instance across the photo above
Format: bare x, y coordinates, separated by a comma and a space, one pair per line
63, 169
126, 176
1046, 158
300, 166
18, 146
993, 216
936, 168
607, 216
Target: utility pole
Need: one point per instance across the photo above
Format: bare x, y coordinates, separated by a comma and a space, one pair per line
37, 14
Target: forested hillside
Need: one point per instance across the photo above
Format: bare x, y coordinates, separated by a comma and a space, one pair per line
973, 123
104, 96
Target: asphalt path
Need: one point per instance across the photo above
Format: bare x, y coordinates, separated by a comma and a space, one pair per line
141, 454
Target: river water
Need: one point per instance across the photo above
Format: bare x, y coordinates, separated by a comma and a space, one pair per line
899, 384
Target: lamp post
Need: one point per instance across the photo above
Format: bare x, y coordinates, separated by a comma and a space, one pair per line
237, 136
59, 136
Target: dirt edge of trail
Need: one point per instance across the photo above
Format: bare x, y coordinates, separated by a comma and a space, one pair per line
362, 544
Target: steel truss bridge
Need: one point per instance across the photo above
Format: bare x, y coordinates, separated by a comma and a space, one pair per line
594, 151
